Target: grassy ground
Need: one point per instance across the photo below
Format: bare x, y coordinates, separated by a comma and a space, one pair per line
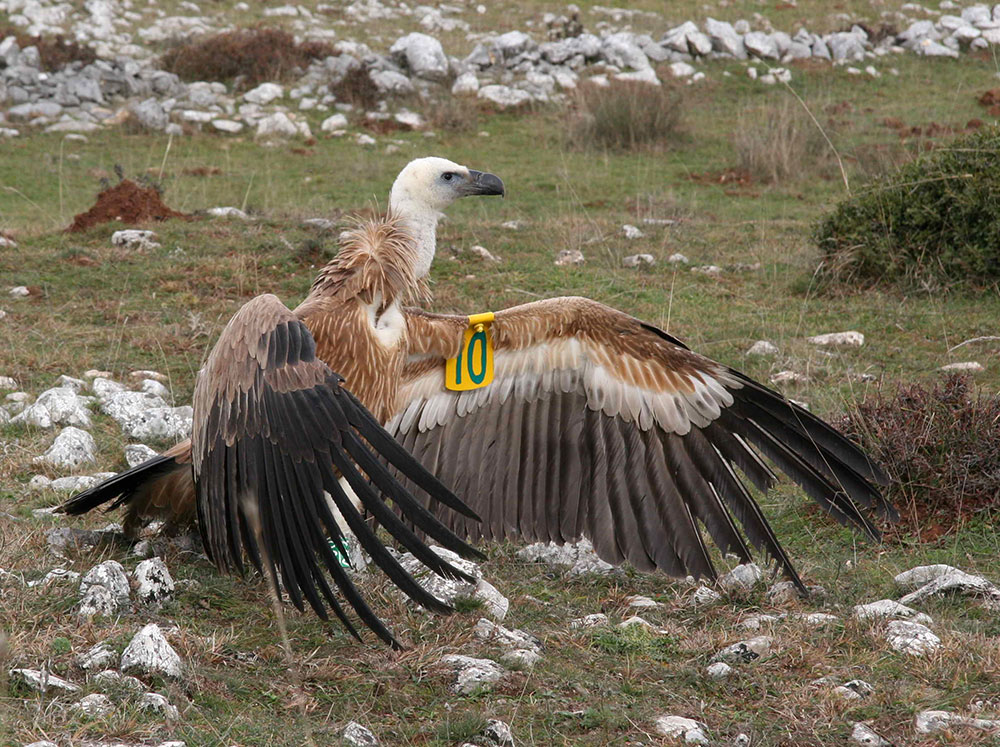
98, 307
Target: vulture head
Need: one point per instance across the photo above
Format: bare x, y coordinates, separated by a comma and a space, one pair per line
424, 188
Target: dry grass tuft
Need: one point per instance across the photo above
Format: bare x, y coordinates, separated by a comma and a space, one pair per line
357, 88
245, 56
940, 445
778, 142
625, 116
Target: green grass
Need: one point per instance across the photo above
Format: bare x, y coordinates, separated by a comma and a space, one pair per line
105, 309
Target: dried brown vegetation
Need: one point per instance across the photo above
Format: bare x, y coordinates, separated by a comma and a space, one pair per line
246, 57
55, 52
941, 446
778, 141
625, 115
356, 88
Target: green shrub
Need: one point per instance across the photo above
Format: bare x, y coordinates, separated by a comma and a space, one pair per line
934, 221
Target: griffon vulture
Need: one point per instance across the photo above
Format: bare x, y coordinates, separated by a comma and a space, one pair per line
554, 420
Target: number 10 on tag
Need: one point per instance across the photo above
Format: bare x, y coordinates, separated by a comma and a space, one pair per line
473, 367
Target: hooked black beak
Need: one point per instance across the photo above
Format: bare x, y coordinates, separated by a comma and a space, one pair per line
481, 183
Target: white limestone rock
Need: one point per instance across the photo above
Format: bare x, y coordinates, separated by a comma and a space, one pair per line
744, 652
423, 55
356, 735
97, 657
704, 595
34, 415
334, 122
588, 621
135, 239
42, 681
264, 94
952, 580
567, 257
763, 347
71, 449
911, 638
521, 658
719, 670
745, 576
888, 609
854, 690
579, 557
136, 454
448, 590
641, 603
931, 722
964, 366
159, 704
863, 734
276, 126
507, 638
504, 97
116, 682
483, 253
851, 339
227, 212
155, 586
95, 705
466, 84
111, 575
678, 727
471, 674
149, 652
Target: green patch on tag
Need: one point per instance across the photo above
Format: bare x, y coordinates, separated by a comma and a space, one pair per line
344, 562
473, 367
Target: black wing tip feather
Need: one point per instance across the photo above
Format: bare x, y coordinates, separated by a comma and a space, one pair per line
120, 486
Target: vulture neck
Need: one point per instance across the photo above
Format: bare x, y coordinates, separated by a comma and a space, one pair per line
420, 221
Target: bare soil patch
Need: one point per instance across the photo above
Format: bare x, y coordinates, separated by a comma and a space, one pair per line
126, 202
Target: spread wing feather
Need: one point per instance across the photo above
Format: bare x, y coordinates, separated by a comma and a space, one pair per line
597, 425
275, 433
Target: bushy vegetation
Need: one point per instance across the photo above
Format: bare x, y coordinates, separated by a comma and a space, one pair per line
779, 141
940, 445
55, 52
356, 88
246, 57
626, 115
934, 221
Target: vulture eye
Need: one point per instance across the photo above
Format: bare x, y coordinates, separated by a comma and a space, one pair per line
448, 176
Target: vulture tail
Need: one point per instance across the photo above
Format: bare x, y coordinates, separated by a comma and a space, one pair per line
123, 487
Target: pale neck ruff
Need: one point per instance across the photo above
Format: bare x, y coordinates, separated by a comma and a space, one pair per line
422, 222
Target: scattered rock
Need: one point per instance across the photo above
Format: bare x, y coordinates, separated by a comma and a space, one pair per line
865, 735
504, 97
677, 259
227, 212
473, 674
97, 657
589, 621
948, 580
578, 557
42, 681
746, 651
159, 704
521, 658
911, 638
498, 733
763, 347
849, 339
111, 575
678, 727
483, 253
745, 576
97, 601
631, 232
784, 377
155, 586
116, 682
448, 590
72, 448
638, 260
719, 670
966, 366
423, 55
506, 638
150, 653
703, 596
95, 705
569, 257
135, 239
356, 735
931, 722
136, 454
641, 602
888, 609
854, 690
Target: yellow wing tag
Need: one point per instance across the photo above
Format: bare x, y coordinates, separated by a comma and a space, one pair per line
473, 368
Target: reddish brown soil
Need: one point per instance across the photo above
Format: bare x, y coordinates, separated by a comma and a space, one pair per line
126, 202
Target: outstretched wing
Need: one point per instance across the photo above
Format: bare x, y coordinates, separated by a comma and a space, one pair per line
274, 433
597, 425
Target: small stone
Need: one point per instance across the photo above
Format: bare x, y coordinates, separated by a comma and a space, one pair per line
763, 347
854, 690
111, 575
356, 735
504, 97
641, 602
703, 595
136, 454
71, 448
678, 727
149, 652
109, 679
42, 681
135, 239
677, 259
849, 339
967, 366
911, 638
263, 94
888, 609
466, 84
98, 657
20, 291
631, 232
714, 270
568, 257
784, 377
498, 733
931, 722
639, 260
334, 122
227, 212
510, 639
744, 576
589, 621
521, 658
97, 601
155, 586
95, 704
473, 674
483, 253
746, 651
159, 704
227, 125
863, 734
719, 670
